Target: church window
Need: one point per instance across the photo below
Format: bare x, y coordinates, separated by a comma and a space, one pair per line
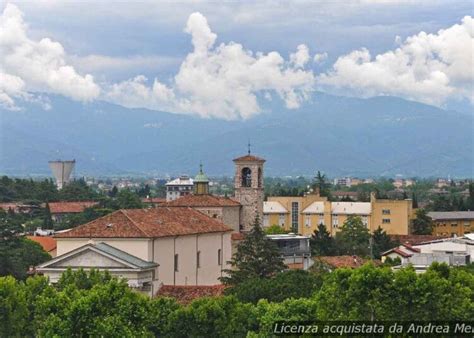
246, 177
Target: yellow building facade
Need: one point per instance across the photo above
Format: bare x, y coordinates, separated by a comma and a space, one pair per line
304, 214
450, 223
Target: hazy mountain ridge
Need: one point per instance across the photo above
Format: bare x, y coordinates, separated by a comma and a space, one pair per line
339, 135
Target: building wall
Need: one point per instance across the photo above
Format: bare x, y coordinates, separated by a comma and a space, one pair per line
187, 247
162, 251
400, 215
450, 227
139, 247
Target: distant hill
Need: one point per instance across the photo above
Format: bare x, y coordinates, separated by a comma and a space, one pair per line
338, 135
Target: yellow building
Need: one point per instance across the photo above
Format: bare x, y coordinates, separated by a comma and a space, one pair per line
303, 214
450, 223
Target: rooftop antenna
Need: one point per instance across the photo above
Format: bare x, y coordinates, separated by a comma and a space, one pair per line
249, 147
200, 167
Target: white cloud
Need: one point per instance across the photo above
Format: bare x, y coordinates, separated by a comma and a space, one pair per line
221, 81
29, 65
320, 57
426, 67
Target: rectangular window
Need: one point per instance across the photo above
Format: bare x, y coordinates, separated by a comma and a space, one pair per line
321, 219
219, 257
454, 224
385, 211
176, 262
281, 221
385, 220
365, 220
307, 221
335, 221
266, 220
294, 216
198, 259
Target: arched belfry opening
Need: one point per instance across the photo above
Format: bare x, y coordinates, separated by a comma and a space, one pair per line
246, 177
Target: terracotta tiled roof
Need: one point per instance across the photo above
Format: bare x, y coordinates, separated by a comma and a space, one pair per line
48, 243
185, 294
147, 223
415, 239
202, 201
249, 158
237, 236
70, 207
409, 247
398, 251
154, 200
344, 261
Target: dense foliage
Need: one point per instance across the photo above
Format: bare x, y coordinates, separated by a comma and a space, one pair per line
256, 257
96, 304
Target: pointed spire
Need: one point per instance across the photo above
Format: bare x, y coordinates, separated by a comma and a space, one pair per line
249, 147
200, 168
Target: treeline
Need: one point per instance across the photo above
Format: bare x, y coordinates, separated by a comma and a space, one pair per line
95, 304
29, 191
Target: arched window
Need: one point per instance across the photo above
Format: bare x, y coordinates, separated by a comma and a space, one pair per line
246, 177
260, 178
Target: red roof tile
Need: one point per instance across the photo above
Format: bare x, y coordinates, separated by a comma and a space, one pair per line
186, 294
147, 223
247, 158
202, 201
154, 200
237, 236
48, 243
70, 207
398, 251
409, 247
345, 261
415, 239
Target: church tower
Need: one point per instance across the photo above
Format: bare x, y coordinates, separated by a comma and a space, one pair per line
201, 183
248, 184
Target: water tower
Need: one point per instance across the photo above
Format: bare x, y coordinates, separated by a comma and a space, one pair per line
62, 171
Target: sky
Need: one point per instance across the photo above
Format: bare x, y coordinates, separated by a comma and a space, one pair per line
222, 60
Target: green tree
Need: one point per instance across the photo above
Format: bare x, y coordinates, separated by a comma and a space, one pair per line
322, 243
381, 242
321, 185
47, 219
284, 285
256, 257
353, 239
127, 199
422, 224
113, 192
275, 230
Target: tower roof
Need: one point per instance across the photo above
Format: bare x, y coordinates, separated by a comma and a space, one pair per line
249, 158
201, 177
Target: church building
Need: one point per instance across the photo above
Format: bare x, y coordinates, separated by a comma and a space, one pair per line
238, 212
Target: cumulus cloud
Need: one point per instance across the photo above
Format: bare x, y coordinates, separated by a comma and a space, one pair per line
430, 68
320, 57
28, 65
221, 81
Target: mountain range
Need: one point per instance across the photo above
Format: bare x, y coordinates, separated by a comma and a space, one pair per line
337, 135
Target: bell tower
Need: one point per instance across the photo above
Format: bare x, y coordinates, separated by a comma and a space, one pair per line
248, 184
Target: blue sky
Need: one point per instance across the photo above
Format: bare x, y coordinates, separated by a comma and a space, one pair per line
217, 60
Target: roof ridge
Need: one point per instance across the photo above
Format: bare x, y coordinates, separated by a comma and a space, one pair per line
94, 220
134, 223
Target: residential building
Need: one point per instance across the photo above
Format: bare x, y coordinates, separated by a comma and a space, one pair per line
181, 186
61, 209
402, 252
452, 223
295, 250
303, 214
188, 247
452, 251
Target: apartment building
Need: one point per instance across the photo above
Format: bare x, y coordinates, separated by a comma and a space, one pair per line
452, 223
303, 214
